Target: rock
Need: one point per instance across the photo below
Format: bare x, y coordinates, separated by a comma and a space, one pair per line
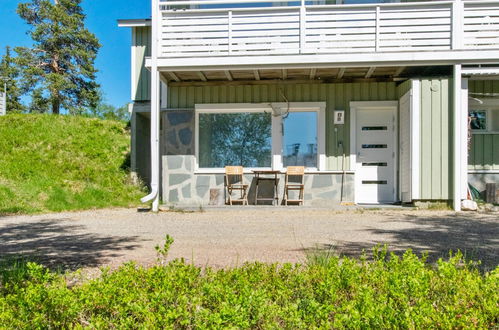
468, 205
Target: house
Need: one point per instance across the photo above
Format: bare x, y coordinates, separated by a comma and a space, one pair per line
375, 98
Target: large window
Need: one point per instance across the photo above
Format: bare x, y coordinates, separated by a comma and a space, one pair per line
273, 135
235, 139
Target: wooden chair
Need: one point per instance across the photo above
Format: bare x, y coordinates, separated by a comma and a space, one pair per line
296, 174
234, 180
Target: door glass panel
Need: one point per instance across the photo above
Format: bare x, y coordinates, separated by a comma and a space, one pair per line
374, 164
373, 146
374, 128
299, 139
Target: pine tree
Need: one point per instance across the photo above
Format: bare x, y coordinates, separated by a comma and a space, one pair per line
61, 61
9, 74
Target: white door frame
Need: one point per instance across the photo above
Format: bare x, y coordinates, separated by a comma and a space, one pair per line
372, 105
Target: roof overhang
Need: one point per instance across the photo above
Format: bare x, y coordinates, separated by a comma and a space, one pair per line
134, 22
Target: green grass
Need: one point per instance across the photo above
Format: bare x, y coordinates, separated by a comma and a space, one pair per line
386, 292
59, 163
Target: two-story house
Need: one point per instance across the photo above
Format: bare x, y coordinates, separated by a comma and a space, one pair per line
375, 98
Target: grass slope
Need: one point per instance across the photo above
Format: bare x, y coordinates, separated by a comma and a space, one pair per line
58, 163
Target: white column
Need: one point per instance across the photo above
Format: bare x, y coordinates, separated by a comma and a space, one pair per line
457, 125
464, 138
155, 107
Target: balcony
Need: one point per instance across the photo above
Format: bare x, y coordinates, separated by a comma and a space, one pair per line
252, 32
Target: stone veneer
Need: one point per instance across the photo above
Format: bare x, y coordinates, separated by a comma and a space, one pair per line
177, 134
183, 187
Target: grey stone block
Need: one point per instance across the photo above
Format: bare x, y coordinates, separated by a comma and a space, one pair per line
322, 181
172, 138
219, 179
173, 195
332, 195
178, 178
185, 136
202, 185
188, 163
176, 118
174, 162
186, 191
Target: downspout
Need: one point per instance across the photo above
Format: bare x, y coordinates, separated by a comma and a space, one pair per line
155, 119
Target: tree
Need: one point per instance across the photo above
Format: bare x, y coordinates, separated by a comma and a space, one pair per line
9, 74
61, 62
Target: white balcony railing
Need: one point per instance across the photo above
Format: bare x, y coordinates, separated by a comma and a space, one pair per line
298, 28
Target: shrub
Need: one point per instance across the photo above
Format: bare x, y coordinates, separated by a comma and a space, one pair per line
386, 292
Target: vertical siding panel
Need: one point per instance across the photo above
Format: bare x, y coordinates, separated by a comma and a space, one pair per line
445, 122
373, 92
471, 155
190, 97
488, 149
425, 176
479, 151
364, 92
356, 92
306, 96
256, 94
392, 91
436, 141
345, 129
330, 103
496, 151
248, 95
382, 91
231, 94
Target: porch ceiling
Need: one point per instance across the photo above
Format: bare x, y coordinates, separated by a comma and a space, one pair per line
350, 74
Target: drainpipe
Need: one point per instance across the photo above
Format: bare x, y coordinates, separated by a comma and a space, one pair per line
155, 118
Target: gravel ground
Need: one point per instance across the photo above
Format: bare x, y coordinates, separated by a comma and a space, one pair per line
229, 237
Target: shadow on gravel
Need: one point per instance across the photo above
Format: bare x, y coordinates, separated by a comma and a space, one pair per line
60, 246
477, 237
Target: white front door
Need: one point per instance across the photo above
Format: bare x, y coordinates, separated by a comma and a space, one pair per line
375, 155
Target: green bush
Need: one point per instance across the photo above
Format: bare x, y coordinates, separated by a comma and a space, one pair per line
387, 292
58, 163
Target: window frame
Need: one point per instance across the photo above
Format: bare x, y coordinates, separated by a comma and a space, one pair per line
276, 132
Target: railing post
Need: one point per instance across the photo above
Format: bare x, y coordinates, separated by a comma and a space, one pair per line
229, 32
303, 33
457, 24
376, 42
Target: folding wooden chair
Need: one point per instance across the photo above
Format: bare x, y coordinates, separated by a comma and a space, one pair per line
296, 174
234, 181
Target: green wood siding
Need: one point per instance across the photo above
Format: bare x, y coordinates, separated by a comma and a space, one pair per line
483, 86
484, 152
142, 49
436, 139
336, 96
403, 88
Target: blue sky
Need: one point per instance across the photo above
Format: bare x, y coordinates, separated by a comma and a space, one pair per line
113, 61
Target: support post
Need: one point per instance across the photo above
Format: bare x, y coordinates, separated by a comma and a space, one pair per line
303, 33
457, 141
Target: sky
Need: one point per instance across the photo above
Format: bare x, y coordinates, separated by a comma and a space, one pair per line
113, 60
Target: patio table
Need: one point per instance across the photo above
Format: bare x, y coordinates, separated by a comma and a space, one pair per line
267, 175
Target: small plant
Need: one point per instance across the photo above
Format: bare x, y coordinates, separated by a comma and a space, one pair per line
163, 251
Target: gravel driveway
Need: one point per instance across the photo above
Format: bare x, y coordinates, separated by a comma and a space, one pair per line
229, 237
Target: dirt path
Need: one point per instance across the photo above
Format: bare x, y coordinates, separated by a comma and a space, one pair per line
228, 237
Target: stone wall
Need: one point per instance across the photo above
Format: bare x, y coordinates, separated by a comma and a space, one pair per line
183, 187
177, 133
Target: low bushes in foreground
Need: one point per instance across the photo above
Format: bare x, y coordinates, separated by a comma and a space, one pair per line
386, 292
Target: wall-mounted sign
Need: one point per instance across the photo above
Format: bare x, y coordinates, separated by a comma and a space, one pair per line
339, 117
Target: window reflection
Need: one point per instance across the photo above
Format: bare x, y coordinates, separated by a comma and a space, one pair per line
235, 139
300, 139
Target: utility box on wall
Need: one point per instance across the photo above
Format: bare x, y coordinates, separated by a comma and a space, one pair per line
339, 117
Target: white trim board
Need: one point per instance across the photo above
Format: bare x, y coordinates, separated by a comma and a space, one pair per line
415, 136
